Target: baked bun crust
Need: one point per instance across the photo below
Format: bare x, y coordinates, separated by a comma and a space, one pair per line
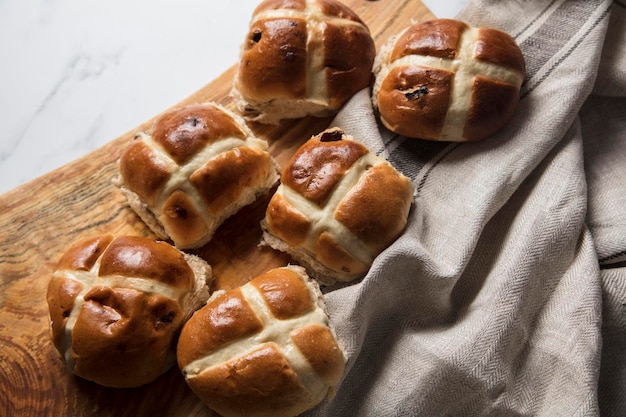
301, 58
197, 166
444, 80
337, 207
117, 305
263, 349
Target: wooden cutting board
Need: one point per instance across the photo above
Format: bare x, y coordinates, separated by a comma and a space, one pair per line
39, 220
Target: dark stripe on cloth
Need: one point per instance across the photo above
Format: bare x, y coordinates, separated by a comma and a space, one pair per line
563, 25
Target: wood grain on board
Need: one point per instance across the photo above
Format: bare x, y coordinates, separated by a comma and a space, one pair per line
39, 220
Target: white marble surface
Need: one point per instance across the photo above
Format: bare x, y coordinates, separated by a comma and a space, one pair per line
76, 74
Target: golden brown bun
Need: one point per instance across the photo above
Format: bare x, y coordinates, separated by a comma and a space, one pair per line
263, 349
338, 206
117, 305
199, 165
302, 58
444, 80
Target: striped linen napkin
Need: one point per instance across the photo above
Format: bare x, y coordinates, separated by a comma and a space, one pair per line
506, 295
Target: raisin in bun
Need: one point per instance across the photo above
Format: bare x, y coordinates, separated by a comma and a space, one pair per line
264, 349
445, 80
301, 58
337, 207
197, 166
117, 305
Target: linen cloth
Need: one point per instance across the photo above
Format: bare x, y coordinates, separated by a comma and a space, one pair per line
506, 294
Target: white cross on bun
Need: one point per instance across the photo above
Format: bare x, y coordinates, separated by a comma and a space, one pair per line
198, 166
264, 349
337, 207
444, 80
117, 305
301, 58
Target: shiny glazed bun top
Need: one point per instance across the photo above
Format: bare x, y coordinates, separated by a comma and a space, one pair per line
264, 349
445, 80
302, 57
337, 207
117, 305
197, 166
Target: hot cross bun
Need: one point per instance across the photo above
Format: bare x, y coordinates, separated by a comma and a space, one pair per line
337, 207
265, 349
301, 58
117, 305
198, 166
445, 80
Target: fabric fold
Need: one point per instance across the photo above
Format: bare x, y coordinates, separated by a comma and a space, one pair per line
493, 302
